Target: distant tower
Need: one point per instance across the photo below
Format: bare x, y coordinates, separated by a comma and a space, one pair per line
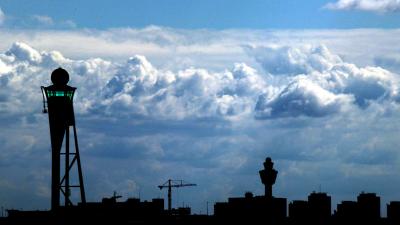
59, 99
268, 176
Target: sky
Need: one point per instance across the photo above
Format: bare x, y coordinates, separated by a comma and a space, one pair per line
215, 14
204, 91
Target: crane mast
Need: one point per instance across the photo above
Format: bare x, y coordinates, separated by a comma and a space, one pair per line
173, 184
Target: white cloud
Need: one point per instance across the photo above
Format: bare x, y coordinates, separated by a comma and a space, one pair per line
132, 88
23, 52
318, 82
311, 81
215, 50
139, 88
2, 17
389, 62
301, 97
287, 60
69, 24
380, 6
44, 20
40, 22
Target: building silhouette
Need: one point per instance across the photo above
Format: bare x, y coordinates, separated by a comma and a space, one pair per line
346, 211
299, 212
369, 206
393, 212
366, 210
249, 209
317, 210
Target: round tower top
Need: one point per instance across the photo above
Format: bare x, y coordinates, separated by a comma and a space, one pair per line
59, 76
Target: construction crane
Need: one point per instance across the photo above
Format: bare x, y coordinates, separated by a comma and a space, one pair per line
173, 184
115, 196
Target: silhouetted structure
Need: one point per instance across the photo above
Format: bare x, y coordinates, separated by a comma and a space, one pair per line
299, 212
317, 210
59, 99
346, 212
393, 212
259, 208
108, 211
252, 209
366, 210
173, 184
369, 206
268, 176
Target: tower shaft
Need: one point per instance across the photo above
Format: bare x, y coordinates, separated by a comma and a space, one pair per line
61, 119
268, 191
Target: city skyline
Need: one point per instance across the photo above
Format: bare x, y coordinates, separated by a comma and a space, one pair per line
250, 209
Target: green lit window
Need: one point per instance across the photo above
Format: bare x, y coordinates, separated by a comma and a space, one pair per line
68, 94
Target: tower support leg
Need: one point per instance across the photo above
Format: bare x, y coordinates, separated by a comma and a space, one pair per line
169, 197
66, 187
78, 161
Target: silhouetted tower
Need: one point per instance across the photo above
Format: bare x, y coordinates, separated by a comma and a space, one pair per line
170, 184
59, 99
268, 176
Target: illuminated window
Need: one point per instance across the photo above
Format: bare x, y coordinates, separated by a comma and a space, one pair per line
68, 94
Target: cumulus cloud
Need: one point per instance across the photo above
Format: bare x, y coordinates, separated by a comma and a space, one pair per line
301, 97
319, 83
288, 60
23, 52
380, 6
190, 93
133, 88
311, 81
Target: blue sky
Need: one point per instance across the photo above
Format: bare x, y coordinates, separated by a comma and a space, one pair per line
216, 14
204, 91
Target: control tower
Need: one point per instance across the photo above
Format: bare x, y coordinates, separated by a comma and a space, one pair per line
268, 176
59, 98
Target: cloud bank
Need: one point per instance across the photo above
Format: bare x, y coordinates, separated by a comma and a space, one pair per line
313, 82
